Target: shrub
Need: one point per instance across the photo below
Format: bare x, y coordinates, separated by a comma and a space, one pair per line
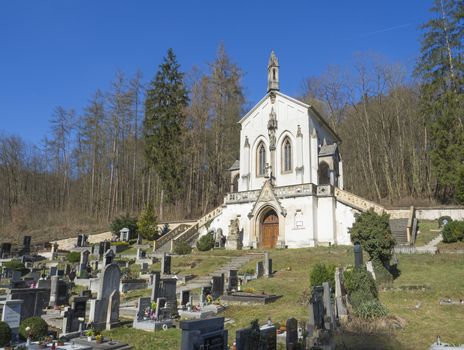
371, 309
321, 273
206, 242
123, 221
182, 248
453, 232
73, 257
119, 243
373, 232
361, 279
441, 220
5, 333
38, 328
16, 265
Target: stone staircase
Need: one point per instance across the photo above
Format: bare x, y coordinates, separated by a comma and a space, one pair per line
401, 220
234, 264
399, 229
184, 233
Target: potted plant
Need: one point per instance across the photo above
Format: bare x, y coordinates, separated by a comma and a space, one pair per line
99, 338
89, 334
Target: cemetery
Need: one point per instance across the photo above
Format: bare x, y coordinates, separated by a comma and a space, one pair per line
237, 299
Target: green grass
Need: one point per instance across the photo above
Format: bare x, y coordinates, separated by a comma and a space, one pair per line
442, 274
426, 233
140, 340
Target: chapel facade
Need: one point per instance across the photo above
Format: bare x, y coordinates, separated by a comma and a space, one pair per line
283, 187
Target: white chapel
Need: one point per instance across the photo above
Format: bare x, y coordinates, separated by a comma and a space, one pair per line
286, 187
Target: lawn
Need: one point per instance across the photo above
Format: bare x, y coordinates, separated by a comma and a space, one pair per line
428, 232
442, 276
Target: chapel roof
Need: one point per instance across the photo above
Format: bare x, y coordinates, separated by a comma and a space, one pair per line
235, 166
328, 150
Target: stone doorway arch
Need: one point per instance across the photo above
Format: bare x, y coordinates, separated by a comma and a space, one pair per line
268, 228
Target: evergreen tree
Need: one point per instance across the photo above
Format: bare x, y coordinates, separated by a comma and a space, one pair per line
146, 224
441, 69
164, 125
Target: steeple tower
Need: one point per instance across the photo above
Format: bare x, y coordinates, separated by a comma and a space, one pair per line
273, 73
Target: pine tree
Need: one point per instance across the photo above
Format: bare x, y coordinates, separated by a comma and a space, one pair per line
441, 68
164, 125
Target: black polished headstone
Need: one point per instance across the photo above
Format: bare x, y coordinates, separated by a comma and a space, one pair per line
204, 334
291, 338
358, 256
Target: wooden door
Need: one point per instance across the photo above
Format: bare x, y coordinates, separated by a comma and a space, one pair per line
270, 230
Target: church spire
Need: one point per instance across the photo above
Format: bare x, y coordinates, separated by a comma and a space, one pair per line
273, 73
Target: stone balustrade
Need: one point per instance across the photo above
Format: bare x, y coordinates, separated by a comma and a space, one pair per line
170, 235
357, 202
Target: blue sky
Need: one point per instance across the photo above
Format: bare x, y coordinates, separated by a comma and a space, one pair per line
59, 52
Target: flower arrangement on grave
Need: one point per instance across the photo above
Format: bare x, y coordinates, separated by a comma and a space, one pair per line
99, 338
209, 299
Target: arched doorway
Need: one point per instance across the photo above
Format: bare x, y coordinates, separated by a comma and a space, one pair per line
269, 229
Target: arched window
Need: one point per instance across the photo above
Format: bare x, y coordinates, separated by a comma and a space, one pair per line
324, 173
261, 156
286, 155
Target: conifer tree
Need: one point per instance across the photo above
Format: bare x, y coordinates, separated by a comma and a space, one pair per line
146, 223
441, 68
164, 125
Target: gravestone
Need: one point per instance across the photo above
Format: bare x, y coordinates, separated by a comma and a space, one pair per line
205, 291
54, 250
81, 240
53, 291
232, 280
139, 238
267, 265
103, 309
103, 247
167, 290
35, 300
26, 245
316, 308
184, 297
217, 288
291, 338
204, 334
144, 268
11, 314
370, 269
269, 337
234, 238
52, 271
58, 292
255, 337
329, 311
108, 258
84, 262
166, 264
358, 256
160, 311
259, 269
142, 305
155, 285
341, 309
112, 315
5, 250
72, 314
